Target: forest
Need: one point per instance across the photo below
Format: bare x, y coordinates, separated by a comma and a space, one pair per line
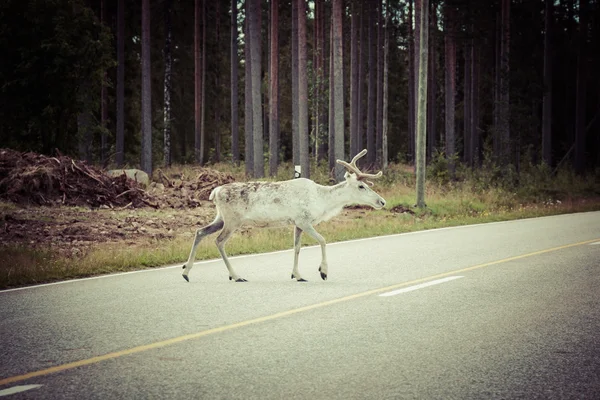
151, 83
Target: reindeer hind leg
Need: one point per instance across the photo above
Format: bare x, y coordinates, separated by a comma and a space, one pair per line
214, 226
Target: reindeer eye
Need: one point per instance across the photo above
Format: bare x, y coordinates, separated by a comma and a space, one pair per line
361, 186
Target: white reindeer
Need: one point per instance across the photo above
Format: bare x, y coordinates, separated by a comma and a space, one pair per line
301, 202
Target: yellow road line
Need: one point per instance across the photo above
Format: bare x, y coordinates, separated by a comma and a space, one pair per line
184, 338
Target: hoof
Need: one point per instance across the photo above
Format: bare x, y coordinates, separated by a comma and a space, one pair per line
186, 278
293, 276
302, 280
323, 276
241, 280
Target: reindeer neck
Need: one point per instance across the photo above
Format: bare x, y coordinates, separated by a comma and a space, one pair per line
338, 194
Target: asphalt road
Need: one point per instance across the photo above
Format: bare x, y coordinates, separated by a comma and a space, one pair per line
494, 311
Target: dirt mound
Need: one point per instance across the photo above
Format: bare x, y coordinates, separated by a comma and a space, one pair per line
30, 178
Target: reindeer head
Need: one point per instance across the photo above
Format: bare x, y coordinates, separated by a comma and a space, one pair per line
358, 180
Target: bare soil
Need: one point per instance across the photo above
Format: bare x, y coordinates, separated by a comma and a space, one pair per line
69, 206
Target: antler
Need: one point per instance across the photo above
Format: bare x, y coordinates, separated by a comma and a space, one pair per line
352, 168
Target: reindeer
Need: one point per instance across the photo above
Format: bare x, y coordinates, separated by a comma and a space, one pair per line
300, 202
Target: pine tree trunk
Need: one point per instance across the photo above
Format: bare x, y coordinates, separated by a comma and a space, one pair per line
197, 83
354, 79
580, 101
386, 53
168, 59
303, 91
422, 103
411, 83
295, 134
248, 110
321, 76
146, 163
103, 100
416, 61
475, 78
504, 95
120, 95
450, 81
203, 91
338, 77
372, 85
274, 91
235, 133
467, 103
255, 55
217, 107
547, 97
331, 136
379, 94
432, 84
360, 132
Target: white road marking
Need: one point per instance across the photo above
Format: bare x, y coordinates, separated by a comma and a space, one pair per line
420, 286
591, 244
17, 389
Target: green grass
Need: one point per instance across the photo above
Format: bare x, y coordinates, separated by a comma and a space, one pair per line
472, 197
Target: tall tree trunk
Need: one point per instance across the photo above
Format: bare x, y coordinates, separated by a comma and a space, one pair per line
321, 77
217, 108
416, 64
386, 52
235, 133
295, 134
422, 103
496, 110
379, 94
103, 100
580, 101
362, 52
331, 138
303, 91
450, 80
146, 91
504, 95
255, 55
338, 77
248, 110
432, 85
411, 83
547, 97
203, 92
274, 91
372, 85
467, 103
197, 83
120, 95
475, 77
168, 58
354, 148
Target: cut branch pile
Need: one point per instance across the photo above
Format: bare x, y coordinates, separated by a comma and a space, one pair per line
30, 178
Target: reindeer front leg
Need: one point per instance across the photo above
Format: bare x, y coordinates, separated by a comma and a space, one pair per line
313, 233
295, 273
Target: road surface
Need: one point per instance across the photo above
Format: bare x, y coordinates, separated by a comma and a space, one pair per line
492, 311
